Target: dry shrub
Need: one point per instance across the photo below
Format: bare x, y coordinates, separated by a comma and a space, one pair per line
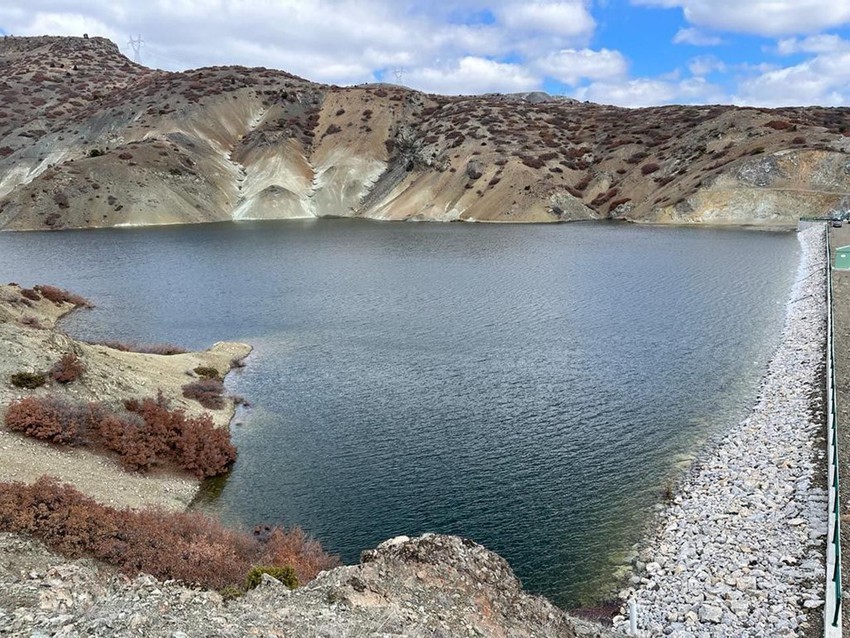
294, 547
648, 169
32, 322
144, 348
194, 444
47, 419
30, 294
151, 435
189, 547
60, 296
208, 392
69, 368
779, 125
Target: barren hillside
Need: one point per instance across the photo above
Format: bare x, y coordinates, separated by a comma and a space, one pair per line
89, 139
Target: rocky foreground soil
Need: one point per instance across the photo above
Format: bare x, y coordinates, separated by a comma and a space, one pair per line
428, 587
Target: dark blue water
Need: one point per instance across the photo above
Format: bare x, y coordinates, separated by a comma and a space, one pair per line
530, 387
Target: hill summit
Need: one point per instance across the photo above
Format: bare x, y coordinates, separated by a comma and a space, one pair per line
90, 139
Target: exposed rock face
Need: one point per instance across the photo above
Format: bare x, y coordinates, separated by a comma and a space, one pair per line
440, 586
89, 139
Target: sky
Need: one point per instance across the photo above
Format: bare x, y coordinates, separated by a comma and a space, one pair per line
624, 52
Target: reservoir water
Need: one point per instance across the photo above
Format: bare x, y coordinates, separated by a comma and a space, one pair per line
530, 387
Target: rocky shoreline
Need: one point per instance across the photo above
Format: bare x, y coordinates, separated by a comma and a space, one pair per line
740, 549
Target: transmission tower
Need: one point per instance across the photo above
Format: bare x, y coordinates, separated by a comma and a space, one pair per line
136, 45
398, 73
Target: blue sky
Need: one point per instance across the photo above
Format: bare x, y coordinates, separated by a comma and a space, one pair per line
626, 52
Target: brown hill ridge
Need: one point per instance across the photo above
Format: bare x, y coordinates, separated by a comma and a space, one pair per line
89, 139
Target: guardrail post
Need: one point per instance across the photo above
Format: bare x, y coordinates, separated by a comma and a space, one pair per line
832, 608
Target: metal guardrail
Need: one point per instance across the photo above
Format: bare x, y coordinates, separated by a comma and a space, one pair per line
832, 608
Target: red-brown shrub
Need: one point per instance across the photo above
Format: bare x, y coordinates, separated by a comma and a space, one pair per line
68, 368
188, 547
145, 348
294, 547
779, 125
30, 294
47, 419
207, 392
59, 296
151, 435
648, 169
194, 444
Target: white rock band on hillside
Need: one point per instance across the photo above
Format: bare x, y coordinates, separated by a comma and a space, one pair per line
740, 550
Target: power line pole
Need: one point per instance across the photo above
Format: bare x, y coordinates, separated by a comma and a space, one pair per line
398, 73
137, 44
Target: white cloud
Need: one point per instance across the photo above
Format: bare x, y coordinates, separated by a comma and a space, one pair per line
570, 19
761, 17
823, 80
472, 75
651, 92
705, 64
823, 43
696, 37
570, 65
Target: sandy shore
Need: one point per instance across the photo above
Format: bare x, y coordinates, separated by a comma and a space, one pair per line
740, 550
111, 376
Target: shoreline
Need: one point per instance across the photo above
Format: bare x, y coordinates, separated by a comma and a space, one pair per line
740, 548
111, 376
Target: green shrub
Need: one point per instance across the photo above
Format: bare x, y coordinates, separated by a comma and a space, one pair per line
285, 575
230, 593
206, 372
28, 380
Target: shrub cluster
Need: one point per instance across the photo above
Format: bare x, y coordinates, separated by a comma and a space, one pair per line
68, 368
48, 419
208, 392
194, 444
151, 435
144, 348
189, 547
59, 296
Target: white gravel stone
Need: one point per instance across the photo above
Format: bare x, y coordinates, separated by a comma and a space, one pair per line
741, 544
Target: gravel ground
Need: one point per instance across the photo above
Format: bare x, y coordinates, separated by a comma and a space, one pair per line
740, 551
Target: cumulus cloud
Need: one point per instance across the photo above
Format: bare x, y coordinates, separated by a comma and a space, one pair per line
472, 75
761, 17
652, 91
696, 37
705, 64
823, 43
571, 66
822, 80
570, 18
